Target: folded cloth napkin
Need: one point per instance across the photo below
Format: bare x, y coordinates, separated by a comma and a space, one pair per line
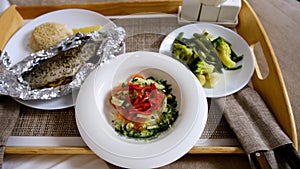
257, 129
10, 21
9, 113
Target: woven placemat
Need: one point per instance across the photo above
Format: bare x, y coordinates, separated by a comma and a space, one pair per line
34, 122
62, 123
142, 34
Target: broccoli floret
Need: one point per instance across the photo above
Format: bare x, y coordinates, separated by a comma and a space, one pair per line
183, 53
202, 70
224, 50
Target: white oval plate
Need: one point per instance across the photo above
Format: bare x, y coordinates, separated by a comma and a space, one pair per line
17, 47
53, 104
92, 111
230, 81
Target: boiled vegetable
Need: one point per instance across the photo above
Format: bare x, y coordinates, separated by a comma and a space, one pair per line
205, 57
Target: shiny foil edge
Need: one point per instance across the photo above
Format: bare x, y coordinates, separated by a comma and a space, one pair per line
110, 43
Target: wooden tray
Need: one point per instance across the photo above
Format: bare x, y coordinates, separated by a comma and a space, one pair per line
274, 95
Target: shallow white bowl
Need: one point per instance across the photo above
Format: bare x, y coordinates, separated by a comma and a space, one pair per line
95, 126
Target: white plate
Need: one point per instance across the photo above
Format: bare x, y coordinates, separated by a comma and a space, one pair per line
92, 111
229, 82
17, 47
53, 104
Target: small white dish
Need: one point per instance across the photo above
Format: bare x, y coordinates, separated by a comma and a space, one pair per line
92, 111
230, 81
182, 21
18, 49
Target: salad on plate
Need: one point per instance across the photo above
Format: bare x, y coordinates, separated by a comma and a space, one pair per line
145, 107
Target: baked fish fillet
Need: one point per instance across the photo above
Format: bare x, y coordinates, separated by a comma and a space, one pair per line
60, 69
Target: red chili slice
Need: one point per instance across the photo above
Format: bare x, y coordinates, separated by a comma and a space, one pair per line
144, 100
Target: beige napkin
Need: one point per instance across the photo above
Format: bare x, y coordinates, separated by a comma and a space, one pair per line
10, 21
255, 126
9, 113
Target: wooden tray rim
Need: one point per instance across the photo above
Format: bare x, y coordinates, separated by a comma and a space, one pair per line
111, 9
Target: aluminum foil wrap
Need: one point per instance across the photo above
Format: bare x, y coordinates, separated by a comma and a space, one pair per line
76, 55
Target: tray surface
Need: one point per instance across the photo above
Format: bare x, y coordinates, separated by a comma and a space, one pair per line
56, 123
61, 123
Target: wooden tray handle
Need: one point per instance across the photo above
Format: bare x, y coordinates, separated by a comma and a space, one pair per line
271, 88
10, 22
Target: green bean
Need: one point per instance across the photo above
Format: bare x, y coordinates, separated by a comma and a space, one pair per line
180, 36
199, 36
205, 40
201, 45
214, 53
